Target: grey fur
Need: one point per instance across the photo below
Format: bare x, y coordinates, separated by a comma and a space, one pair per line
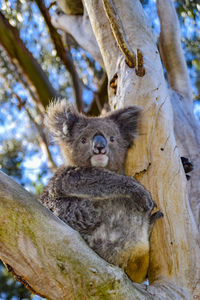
111, 211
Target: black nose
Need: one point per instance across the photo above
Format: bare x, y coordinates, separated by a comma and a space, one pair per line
99, 144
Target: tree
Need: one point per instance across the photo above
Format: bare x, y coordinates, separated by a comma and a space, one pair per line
51, 258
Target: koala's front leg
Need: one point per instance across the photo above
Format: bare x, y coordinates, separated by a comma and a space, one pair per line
100, 184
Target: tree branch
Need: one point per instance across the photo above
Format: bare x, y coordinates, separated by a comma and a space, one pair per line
80, 28
171, 50
49, 257
42, 141
64, 55
185, 125
52, 260
187, 133
20, 56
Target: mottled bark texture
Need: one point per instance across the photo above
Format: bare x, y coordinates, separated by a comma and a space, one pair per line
154, 160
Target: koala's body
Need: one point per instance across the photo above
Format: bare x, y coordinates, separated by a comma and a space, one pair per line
111, 211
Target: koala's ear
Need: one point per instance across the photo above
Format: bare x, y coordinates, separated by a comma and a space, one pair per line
127, 120
60, 119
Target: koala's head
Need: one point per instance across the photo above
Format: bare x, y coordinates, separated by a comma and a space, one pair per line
93, 141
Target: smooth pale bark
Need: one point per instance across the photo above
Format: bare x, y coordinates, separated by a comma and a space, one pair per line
80, 28
186, 127
170, 44
175, 253
187, 132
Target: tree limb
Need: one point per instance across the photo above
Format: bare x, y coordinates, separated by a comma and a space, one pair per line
43, 142
52, 260
80, 28
171, 50
187, 133
185, 125
20, 56
49, 257
64, 55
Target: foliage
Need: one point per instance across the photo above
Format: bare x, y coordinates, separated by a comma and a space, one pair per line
12, 157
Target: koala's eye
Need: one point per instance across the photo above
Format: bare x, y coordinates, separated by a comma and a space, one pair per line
83, 140
112, 139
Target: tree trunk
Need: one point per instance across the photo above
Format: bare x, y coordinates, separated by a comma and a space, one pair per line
176, 235
75, 271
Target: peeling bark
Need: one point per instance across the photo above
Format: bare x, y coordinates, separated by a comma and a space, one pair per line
118, 32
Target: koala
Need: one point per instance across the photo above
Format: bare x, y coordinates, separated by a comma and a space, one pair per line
111, 211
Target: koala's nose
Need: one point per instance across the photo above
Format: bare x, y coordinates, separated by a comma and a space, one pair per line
99, 144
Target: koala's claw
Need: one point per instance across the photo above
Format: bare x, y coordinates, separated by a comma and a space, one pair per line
157, 215
144, 203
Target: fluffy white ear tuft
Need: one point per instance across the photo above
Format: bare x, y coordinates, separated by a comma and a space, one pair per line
60, 119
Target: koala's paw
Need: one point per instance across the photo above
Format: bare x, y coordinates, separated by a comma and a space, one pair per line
145, 202
149, 204
154, 217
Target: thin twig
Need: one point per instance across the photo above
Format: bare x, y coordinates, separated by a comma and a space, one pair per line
64, 55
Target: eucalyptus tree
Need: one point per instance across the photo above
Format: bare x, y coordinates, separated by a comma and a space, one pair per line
48, 256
